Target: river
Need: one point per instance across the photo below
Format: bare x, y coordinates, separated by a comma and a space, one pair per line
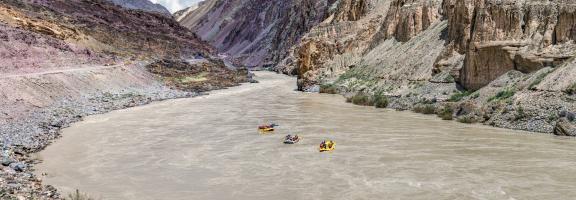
208, 148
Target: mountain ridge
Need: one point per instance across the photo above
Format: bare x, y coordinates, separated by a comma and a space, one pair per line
144, 5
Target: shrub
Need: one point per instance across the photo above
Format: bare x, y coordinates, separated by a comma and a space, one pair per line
446, 113
467, 119
361, 99
449, 79
380, 101
520, 114
458, 96
328, 89
427, 109
571, 90
78, 196
475, 95
504, 94
537, 81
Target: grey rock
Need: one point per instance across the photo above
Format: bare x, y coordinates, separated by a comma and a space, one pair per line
17, 166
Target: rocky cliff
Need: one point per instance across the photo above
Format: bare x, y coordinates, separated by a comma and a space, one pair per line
504, 63
255, 32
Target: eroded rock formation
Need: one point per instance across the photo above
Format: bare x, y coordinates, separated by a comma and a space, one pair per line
499, 36
510, 63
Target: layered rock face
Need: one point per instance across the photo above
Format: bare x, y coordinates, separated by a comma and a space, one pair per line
144, 5
504, 63
381, 22
406, 19
499, 36
255, 32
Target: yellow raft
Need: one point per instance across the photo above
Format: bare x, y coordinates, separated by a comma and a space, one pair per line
327, 146
269, 129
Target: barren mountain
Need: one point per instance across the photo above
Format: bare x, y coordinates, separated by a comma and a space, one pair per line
144, 5
179, 15
255, 32
62, 60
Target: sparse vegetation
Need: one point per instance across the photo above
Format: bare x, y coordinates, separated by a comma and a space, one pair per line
571, 90
427, 109
328, 89
467, 119
475, 95
538, 80
552, 117
77, 195
446, 113
458, 96
502, 95
449, 79
380, 101
361, 99
520, 113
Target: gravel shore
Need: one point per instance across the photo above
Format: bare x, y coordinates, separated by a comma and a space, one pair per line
29, 127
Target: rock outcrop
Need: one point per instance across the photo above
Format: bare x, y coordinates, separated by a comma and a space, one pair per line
407, 18
509, 63
499, 36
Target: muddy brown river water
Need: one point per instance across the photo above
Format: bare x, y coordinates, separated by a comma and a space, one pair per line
208, 148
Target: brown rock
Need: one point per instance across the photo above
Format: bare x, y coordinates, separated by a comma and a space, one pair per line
407, 18
565, 128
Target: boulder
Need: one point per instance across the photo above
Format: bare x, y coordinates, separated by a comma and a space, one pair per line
17, 166
565, 128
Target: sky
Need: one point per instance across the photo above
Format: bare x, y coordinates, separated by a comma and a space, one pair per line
175, 5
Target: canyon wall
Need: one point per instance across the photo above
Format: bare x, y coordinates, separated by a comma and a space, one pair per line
255, 32
498, 62
503, 63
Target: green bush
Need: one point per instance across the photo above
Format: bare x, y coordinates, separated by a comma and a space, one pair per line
361, 99
427, 109
446, 113
467, 119
458, 96
537, 81
380, 101
328, 89
475, 95
571, 90
504, 94
520, 114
